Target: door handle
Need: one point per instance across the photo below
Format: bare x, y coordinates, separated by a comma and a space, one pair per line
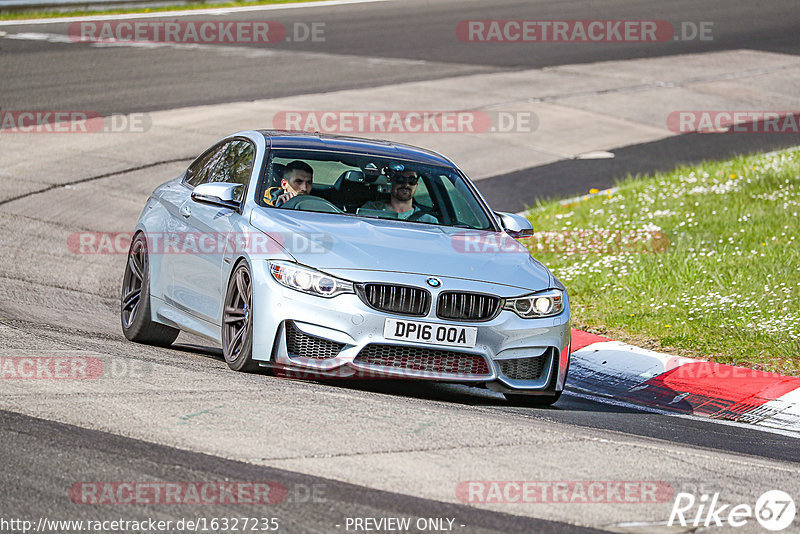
186, 211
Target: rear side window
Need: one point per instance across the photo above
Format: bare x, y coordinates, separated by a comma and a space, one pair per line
236, 165
199, 171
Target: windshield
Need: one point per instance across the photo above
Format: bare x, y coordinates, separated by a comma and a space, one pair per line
362, 185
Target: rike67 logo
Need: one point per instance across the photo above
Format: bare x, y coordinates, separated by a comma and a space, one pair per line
774, 510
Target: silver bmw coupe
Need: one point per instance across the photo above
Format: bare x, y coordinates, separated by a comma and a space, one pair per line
336, 257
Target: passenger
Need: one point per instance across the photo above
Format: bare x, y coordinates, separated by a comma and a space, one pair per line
298, 177
401, 199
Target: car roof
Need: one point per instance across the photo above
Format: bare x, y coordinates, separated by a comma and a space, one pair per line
341, 143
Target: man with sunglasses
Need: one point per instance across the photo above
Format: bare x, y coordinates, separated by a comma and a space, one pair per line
401, 199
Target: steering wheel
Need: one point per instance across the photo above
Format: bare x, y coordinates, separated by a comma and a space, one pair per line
310, 203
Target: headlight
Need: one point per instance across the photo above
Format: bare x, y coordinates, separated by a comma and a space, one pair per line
308, 280
543, 304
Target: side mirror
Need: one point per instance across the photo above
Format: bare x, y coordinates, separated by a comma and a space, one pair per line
516, 226
218, 194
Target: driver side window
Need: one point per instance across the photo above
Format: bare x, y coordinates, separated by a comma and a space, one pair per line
423, 196
466, 212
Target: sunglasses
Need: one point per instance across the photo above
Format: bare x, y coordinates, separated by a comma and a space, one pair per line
411, 180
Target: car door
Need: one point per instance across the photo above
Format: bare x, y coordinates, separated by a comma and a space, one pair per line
171, 245
211, 233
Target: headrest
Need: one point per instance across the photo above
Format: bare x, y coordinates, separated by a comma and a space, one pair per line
276, 175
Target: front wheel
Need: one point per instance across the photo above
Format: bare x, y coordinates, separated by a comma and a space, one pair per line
237, 321
137, 324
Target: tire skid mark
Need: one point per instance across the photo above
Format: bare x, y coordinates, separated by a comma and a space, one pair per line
97, 177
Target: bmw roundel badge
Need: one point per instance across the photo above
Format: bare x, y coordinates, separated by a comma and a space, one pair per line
434, 282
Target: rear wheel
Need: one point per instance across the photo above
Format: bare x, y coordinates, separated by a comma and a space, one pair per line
137, 324
237, 321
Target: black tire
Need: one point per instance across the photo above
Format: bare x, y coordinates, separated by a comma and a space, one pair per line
237, 321
532, 401
135, 315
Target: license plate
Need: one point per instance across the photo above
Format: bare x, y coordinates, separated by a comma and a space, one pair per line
430, 333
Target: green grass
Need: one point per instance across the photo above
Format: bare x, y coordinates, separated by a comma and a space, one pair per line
34, 14
711, 267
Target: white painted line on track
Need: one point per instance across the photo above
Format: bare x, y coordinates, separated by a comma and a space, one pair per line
596, 154
224, 50
190, 12
35, 36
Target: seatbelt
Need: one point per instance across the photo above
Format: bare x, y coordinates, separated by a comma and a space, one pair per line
417, 215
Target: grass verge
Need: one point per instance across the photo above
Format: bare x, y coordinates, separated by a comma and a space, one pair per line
46, 14
701, 261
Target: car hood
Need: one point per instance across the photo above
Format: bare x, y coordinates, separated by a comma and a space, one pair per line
337, 242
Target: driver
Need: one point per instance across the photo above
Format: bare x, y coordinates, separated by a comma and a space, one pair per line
401, 199
298, 177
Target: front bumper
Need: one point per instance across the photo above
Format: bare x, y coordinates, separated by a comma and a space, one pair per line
342, 337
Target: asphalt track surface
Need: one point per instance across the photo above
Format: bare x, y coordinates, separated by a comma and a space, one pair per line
40, 309
98, 455
376, 44
570, 177
124, 80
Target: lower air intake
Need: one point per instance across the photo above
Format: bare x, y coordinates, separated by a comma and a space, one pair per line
423, 359
524, 368
298, 343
